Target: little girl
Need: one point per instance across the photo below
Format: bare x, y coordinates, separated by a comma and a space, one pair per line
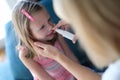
32, 23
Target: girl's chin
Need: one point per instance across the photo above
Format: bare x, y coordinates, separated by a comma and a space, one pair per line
51, 37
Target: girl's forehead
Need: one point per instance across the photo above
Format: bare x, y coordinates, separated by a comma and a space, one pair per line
41, 14
40, 18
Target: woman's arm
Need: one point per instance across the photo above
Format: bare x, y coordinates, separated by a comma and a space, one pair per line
34, 67
67, 50
79, 71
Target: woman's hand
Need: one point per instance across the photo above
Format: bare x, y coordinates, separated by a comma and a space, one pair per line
22, 49
46, 50
63, 25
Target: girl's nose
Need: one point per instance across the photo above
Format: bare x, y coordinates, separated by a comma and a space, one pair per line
49, 27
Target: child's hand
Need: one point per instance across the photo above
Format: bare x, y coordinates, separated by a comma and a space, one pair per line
46, 50
22, 49
62, 24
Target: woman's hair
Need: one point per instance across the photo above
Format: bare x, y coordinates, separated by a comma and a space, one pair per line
21, 22
97, 22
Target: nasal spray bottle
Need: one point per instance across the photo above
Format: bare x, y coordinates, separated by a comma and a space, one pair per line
67, 35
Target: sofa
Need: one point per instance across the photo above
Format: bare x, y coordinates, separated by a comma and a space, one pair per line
15, 68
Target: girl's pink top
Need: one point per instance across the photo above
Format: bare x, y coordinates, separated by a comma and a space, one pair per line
54, 68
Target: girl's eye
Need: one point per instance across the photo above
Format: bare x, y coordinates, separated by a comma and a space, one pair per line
42, 27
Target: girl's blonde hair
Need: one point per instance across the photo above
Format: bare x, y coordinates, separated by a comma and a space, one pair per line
21, 22
97, 22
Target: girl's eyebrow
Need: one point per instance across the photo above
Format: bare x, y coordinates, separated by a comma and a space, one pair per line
49, 18
42, 26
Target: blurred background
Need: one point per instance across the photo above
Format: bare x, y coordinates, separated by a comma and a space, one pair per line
5, 16
11, 68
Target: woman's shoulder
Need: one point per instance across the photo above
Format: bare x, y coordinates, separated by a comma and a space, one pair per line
112, 72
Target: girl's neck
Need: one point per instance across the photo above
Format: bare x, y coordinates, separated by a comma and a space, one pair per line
52, 42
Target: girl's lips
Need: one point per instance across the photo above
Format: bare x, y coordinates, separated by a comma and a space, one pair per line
51, 33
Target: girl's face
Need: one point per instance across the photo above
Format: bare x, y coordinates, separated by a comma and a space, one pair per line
41, 27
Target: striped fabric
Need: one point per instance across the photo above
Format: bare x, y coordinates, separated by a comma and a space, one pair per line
53, 68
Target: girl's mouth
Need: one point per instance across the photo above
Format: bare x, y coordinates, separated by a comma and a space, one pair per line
51, 33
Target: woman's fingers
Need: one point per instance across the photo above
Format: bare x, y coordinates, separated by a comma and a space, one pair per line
40, 45
74, 39
62, 24
46, 50
59, 24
